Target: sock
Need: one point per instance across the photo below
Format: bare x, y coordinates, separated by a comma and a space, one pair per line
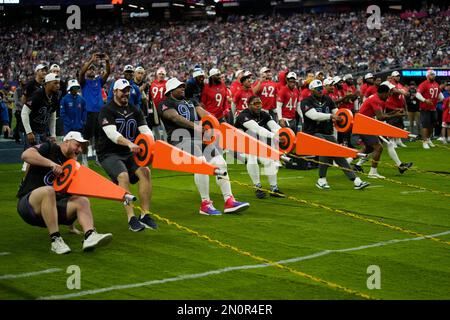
202, 183
393, 154
253, 171
361, 161
373, 170
224, 184
55, 235
88, 233
357, 181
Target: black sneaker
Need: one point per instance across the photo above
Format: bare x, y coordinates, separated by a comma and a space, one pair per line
276, 193
404, 166
135, 225
148, 222
358, 168
260, 194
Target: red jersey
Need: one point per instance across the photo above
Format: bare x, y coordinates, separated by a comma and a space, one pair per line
305, 93
156, 91
346, 88
370, 90
241, 98
235, 87
396, 101
268, 94
429, 90
289, 98
214, 98
446, 110
372, 104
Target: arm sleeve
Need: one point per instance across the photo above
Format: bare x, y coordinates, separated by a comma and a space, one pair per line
52, 124
262, 132
419, 96
279, 113
441, 96
145, 130
274, 127
317, 116
112, 133
25, 115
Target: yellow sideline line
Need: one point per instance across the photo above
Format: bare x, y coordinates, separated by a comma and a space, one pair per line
332, 285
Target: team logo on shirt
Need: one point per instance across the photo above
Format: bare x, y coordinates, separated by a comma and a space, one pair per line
164, 107
104, 121
49, 178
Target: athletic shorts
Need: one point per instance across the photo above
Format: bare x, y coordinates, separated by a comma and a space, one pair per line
26, 212
428, 119
115, 164
445, 125
396, 122
90, 129
369, 140
197, 148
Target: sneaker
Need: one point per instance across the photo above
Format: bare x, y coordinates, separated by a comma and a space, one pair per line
359, 184
276, 193
233, 206
208, 209
441, 139
260, 194
358, 168
59, 246
322, 184
425, 145
148, 222
431, 144
404, 166
135, 225
375, 176
96, 240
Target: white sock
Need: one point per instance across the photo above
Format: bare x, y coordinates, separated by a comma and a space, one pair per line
361, 161
253, 169
373, 170
202, 183
224, 184
357, 181
393, 154
322, 180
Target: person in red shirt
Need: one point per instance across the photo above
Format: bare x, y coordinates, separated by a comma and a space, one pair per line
288, 103
349, 89
237, 85
445, 120
241, 97
396, 101
373, 107
214, 95
156, 94
428, 93
266, 89
368, 88
282, 79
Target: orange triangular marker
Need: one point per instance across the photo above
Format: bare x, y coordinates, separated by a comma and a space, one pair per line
366, 125
307, 144
168, 157
82, 181
237, 140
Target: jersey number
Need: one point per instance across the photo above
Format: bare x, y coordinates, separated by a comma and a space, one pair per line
155, 91
127, 128
268, 92
434, 93
219, 99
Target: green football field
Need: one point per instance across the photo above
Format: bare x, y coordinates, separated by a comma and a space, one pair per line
316, 244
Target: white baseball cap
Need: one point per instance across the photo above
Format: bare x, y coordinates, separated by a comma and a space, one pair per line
291, 75
121, 84
161, 70
348, 76
75, 135
328, 81
263, 70
336, 79
51, 77
238, 73
139, 69
198, 73
315, 84
319, 72
431, 72
387, 83
72, 83
395, 74
246, 75
128, 67
368, 76
172, 84
54, 67
39, 67
214, 72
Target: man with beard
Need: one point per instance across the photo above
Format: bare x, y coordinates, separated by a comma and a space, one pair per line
242, 96
214, 95
319, 113
39, 204
120, 124
156, 95
369, 87
194, 85
288, 103
266, 89
135, 92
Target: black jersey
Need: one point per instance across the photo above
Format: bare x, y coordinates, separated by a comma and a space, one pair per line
185, 108
38, 176
325, 105
30, 88
246, 115
127, 121
41, 108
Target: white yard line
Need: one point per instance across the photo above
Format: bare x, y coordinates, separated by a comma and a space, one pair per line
228, 269
4, 253
415, 191
28, 274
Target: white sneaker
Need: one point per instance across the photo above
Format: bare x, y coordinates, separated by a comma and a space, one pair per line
375, 176
96, 240
359, 184
59, 246
441, 139
322, 184
425, 145
431, 143
444, 141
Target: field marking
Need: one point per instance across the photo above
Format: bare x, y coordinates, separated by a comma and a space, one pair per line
416, 191
28, 274
228, 269
4, 253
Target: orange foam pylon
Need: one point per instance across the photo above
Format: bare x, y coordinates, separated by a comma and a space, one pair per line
79, 180
366, 125
347, 120
237, 140
145, 155
286, 138
211, 130
168, 157
307, 144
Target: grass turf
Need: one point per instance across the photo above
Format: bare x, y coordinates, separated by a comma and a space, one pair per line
172, 264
